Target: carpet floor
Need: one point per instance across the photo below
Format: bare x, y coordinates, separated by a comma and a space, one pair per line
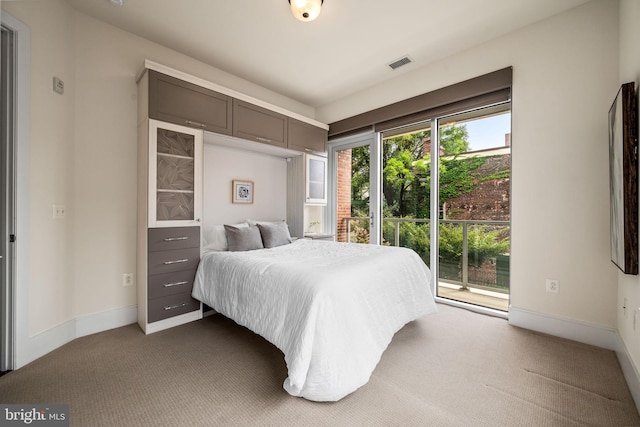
453, 368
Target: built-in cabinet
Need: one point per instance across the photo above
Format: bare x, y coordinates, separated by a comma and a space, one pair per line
306, 194
174, 111
258, 124
173, 257
176, 101
175, 175
315, 178
169, 212
173, 100
306, 137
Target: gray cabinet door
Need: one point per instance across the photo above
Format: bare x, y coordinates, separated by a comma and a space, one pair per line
306, 137
176, 101
259, 124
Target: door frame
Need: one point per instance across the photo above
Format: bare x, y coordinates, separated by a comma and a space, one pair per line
14, 324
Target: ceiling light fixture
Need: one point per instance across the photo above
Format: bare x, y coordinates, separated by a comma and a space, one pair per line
306, 10
116, 3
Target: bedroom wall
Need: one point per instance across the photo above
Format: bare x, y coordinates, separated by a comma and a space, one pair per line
49, 290
565, 75
83, 155
629, 286
224, 164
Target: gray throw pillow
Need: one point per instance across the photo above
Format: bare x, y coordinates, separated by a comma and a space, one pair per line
244, 238
274, 234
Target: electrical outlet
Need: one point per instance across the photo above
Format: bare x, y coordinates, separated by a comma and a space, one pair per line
553, 286
127, 279
59, 211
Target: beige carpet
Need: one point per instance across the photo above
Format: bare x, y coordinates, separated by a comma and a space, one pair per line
454, 368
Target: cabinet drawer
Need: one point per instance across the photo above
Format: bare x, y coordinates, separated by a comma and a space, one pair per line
172, 305
183, 103
259, 124
165, 239
163, 262
162, 285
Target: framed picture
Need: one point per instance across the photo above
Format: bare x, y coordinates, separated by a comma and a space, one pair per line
623, 179
242, 191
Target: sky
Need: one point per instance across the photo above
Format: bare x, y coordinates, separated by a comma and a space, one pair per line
488, 132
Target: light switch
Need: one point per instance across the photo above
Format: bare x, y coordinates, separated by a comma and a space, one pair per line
58, 85
59, 212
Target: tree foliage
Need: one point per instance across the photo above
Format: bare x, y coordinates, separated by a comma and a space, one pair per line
407, 170
406, 188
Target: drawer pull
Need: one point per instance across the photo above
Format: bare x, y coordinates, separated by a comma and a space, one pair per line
192, 123
259, 138
174, 239
171, 307
178, 261
170, 285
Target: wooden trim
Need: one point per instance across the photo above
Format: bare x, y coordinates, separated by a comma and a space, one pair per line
457, 95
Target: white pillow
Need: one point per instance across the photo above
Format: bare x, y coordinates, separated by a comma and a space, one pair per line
214, 237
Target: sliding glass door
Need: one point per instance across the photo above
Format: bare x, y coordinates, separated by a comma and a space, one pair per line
406, 188
474, 192
448, 201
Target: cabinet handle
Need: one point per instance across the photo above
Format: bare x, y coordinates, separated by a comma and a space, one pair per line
259, 138
170, 285
171, 307
173, 239
178, 261
202, 125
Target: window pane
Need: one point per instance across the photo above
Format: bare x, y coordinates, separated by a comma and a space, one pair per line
475, 207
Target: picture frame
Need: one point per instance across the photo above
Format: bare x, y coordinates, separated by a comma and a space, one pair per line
242, 191
623, 179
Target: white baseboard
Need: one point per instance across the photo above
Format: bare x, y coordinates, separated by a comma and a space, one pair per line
47, 341
98, 322
629, 370
575, 330
40, 344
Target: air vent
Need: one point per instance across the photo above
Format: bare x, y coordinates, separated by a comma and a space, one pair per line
400, 62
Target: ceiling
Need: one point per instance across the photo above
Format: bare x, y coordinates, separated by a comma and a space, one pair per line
346, 50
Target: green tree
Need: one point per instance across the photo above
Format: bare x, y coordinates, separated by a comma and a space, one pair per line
484, 242
454, 139
407, 167
360, 167
406, 184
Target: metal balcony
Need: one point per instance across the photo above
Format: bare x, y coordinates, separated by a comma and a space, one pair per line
464, 274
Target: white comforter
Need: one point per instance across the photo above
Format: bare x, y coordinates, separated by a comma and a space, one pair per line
331, 308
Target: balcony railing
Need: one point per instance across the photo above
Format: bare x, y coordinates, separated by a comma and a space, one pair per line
473, 256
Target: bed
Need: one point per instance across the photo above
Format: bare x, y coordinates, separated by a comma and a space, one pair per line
331, 308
